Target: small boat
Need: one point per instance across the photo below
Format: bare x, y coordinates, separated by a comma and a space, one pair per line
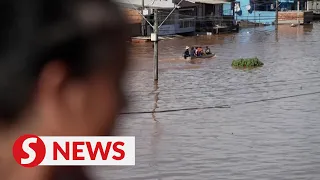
203, 56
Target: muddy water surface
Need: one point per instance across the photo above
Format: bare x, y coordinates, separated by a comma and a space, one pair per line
270, 131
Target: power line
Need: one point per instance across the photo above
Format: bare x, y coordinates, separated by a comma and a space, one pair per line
230, 94
294, 81
222, 106
182, 109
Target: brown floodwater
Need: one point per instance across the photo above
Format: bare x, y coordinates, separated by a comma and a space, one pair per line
209, 121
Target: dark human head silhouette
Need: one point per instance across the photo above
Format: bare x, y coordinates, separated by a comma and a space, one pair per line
60, 74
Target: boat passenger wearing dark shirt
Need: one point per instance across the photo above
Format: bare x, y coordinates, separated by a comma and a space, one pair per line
186, 53
193, 52
207, 51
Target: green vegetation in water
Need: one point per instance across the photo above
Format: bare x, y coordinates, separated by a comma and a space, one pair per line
247, 63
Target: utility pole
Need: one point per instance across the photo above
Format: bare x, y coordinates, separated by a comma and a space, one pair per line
298, 9
254, 13
277, 14
143, 22
154, 36
155, 57
232, 7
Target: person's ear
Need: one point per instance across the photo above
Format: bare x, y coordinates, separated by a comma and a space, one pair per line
51, 81
50, 85
60, 99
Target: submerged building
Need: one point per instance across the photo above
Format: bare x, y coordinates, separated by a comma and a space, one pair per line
254, 11
264, 11
188, 15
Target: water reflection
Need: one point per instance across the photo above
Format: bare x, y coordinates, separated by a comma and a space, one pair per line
195, 61
157, 130
307, 27
156, 98
277, 34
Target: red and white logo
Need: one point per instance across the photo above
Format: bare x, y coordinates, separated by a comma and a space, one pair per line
31, 150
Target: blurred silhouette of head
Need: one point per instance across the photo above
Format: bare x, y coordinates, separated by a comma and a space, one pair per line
60, 69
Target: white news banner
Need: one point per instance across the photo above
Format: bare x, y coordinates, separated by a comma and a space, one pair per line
75, 150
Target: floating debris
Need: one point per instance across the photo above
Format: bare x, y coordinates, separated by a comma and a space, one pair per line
247, 63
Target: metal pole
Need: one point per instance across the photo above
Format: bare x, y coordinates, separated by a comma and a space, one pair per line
277, 14
232, 7
259, 18
306, 6
298, 9
254, 14
143, 23
155, 57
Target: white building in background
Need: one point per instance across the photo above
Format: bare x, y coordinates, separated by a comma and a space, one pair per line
313, 5
182, 20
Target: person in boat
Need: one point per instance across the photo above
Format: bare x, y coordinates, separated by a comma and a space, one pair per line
186, 53
196, 51
207, 50
199, 51
193, 52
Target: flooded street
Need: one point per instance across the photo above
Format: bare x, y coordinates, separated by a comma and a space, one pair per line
215, 122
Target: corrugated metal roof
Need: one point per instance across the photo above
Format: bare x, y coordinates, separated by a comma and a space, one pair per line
167, 4
147, 3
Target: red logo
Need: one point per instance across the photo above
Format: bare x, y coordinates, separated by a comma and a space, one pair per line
29, 150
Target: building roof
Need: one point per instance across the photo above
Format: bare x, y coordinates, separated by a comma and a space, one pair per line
168, 4
147, 3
